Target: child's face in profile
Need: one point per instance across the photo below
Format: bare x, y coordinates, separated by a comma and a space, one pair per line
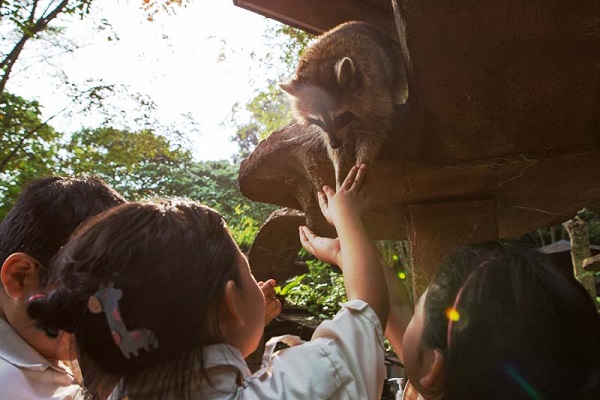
418, 359
251, 305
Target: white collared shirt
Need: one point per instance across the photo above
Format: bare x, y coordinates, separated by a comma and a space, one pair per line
27, 375
342, 361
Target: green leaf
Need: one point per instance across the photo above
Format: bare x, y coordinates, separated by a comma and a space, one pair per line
294, 283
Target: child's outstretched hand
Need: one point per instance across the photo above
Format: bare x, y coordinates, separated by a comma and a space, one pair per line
325, 249
353, 251
350, 201
272, 303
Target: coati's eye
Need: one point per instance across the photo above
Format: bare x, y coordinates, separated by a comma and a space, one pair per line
316, 122
342, 120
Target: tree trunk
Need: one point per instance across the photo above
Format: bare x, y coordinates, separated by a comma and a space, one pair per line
580, 250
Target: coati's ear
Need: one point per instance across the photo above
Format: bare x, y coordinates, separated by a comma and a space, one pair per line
290, 87
344, 71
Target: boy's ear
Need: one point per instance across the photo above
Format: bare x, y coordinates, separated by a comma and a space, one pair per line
433, 379
19, 275
230, 316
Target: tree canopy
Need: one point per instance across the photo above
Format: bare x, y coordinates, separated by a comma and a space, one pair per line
29, 147
269, 110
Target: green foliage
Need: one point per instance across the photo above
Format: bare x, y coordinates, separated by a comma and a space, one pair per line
243, 227
137, 164
320, 290
215, 184
28, 147
154, 7
593, 220
247, 138
297, 41
269, 109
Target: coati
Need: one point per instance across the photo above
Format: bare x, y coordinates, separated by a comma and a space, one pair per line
346, 88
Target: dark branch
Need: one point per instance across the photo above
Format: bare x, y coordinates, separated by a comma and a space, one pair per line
41, 24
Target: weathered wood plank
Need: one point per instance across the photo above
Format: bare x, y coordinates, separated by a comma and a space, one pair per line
318, 16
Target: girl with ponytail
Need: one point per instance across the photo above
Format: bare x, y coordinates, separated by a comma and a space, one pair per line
162, 300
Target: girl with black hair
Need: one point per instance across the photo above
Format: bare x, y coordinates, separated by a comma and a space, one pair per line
497, 322
162, 300
501, 321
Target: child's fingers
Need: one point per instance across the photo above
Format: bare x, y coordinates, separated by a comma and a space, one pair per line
308, 233
360, 177
307, 236
349, 181
268, 288
304, 239
367, 182
329, 192
272, 310
323, 204
322, 200
302, 235
271, 282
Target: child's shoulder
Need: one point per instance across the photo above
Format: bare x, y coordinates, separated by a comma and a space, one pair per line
16, 353
344, 359
31, 382
26, 374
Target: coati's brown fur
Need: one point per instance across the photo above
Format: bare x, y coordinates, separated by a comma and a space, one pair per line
346, 89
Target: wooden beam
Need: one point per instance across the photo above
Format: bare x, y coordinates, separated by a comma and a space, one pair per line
435, 230
318, 16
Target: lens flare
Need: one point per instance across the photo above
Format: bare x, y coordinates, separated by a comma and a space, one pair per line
452, 314
401, 275
522, 382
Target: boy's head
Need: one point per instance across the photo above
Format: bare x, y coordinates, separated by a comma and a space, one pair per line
508, 323
38, 225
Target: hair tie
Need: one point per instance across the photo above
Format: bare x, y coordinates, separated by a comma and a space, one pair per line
452, 313
107, 299
35, 297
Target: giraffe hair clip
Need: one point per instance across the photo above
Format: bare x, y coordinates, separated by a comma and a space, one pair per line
106, 300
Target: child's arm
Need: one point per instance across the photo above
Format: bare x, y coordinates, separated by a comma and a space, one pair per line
363, 277
401, 309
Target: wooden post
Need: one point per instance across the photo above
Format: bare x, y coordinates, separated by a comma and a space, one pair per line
580, 249
437, 229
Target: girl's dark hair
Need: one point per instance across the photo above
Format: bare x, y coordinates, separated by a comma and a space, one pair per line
523, 329
171, 260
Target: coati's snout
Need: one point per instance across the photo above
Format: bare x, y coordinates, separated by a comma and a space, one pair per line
336, 128
334, 142
335, 137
